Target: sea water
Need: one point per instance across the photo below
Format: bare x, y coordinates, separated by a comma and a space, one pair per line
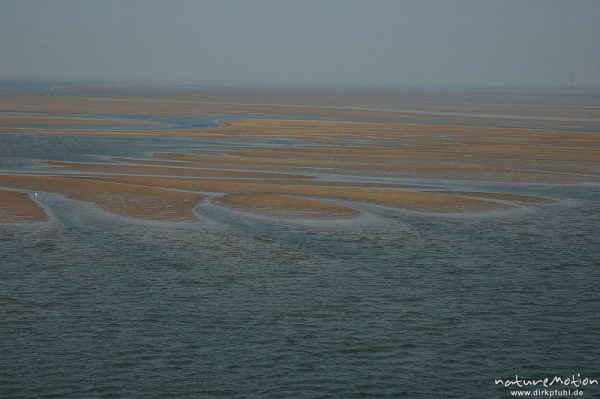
392, 304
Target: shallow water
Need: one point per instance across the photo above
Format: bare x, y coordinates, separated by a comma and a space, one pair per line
394, 304
22, 151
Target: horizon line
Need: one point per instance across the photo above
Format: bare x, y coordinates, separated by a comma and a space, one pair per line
123, 83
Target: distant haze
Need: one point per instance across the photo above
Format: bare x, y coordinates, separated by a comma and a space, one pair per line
478, 43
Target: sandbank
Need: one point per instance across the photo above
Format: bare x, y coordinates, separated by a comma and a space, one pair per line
167, 171
17, 207
416, 201
530, 199
140, 202
286, 206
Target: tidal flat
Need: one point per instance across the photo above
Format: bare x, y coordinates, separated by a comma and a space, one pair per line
277, 243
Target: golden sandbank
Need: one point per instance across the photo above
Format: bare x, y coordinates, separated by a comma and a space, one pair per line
530, 109
166, 171
17, 207
449, 137
141, 202
529, 199
408, 200
286, 206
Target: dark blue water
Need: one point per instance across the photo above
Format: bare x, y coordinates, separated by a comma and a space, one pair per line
395, 304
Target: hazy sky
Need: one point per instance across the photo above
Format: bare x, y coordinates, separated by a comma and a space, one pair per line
308, 42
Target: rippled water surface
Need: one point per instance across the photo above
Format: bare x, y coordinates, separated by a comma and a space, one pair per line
394, 304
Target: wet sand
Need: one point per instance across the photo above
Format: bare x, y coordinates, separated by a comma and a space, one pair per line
450, 137
529, 199
355, 104
286, 206
172, 198
408, 200
381, 163
415, 151
166, 171
17, 207
122, 199
386, 291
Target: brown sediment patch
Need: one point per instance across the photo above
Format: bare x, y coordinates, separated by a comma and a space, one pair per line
311, 182
385, 163
416, 201
277, 161
427, 137
203, 164
453, 172
140, 202
168, 171
16, 207
500, 196
286, 206
372, 104
466, 149
566, 149
257, 159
